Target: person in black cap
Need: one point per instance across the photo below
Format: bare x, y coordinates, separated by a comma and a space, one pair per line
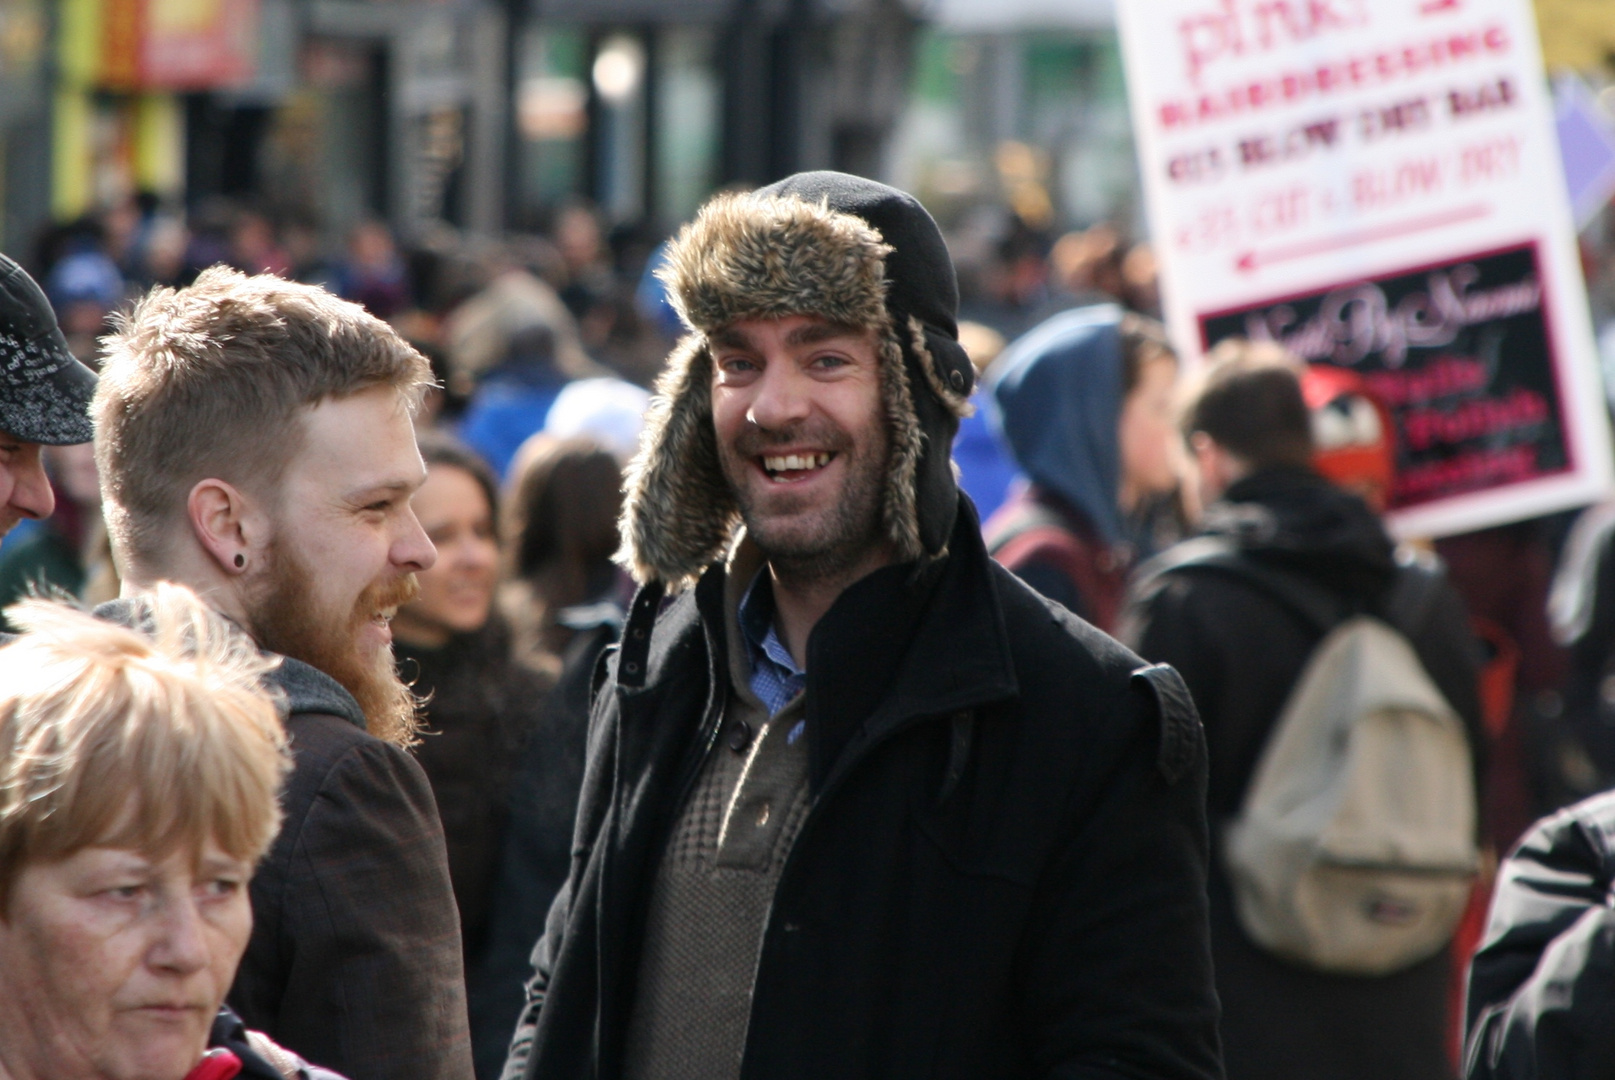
44, 396
858, 802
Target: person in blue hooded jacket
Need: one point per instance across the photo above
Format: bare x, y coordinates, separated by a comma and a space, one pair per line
1085, 402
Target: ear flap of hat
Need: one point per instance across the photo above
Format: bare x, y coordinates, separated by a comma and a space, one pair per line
943, 369
678, 514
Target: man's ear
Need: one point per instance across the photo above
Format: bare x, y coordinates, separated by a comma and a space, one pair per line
226, 524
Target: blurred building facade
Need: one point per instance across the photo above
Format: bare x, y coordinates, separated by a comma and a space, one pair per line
1020, 104
479, 115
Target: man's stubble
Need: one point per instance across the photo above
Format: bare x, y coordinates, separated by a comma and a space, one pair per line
845, 534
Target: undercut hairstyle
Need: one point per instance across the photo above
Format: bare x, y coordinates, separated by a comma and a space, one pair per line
157, 741
210, 382
1249, 402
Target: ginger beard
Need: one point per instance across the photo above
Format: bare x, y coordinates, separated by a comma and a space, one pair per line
288, 619
802, 534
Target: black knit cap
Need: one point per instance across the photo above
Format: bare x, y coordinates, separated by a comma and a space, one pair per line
921, 285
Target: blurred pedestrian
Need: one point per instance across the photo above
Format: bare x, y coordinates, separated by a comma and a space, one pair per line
1086, 403
138, 785
589, 280
45, 396
517, 346
1287, 558
482, 705
1542, 987
373, 274
255, 442
567, 600
858, 803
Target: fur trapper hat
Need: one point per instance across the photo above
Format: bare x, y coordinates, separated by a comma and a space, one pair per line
845, 249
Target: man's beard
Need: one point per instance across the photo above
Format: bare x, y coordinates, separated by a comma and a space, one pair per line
845, 534
287, 620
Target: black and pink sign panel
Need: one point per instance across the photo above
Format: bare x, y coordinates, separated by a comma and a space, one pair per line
1461, 353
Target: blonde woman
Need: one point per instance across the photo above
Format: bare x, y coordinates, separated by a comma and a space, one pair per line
139, 778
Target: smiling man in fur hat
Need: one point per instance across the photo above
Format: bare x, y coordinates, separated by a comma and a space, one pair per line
858, 803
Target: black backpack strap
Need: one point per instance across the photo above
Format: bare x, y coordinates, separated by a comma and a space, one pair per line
1407, 607
1420, 578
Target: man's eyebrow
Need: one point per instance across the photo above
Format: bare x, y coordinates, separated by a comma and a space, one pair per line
815, 332
400, 486
730, 338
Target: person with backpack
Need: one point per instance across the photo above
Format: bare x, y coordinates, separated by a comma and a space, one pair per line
1085, 402
1337, 683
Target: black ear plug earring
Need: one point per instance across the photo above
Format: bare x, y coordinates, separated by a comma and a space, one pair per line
241, 561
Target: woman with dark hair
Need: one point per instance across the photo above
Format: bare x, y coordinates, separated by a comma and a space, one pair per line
566, 599
482, 704
565, 495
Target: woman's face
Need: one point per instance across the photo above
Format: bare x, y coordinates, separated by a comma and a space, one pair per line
1151, 448
457, 592
113, 965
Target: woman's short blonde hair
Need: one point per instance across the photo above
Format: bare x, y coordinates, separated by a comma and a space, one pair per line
158, 740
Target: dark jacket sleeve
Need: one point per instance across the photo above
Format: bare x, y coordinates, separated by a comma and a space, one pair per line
521, 1045
1119, 965
1542, 987
370, 939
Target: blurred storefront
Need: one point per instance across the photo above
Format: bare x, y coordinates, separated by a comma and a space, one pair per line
24, 119
325, 112
645, 106
1020, 105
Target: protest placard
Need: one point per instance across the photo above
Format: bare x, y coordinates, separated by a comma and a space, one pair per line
1376, 184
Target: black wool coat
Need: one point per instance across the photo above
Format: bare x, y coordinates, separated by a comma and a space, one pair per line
1541, 1002
1002, 873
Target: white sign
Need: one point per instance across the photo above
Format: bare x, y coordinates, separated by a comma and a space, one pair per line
1376, 184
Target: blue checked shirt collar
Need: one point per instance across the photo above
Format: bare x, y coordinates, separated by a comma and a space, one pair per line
775, 678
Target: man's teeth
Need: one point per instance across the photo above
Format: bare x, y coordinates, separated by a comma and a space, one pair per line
796, 461
386, 614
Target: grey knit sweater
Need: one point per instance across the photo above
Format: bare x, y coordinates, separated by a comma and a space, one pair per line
710, 902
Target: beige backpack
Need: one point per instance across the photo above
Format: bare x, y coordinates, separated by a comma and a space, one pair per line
1355, 848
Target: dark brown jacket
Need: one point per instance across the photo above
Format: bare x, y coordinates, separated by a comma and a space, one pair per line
354, 961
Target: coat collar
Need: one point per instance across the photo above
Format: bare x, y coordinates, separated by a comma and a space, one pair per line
907, 641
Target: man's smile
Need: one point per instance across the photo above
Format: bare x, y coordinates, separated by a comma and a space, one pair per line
789, 468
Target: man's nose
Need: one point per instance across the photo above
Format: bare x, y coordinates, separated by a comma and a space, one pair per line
781, 397
413, 550
31, 494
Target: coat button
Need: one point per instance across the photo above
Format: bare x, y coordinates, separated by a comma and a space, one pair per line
739, 735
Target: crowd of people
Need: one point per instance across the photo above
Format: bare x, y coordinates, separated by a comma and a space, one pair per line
780, 652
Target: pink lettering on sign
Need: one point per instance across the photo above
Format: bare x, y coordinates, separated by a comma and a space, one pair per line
1345, 73
1356, 322
1235, 28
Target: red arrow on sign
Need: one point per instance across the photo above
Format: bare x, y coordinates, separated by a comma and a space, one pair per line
1251, 260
